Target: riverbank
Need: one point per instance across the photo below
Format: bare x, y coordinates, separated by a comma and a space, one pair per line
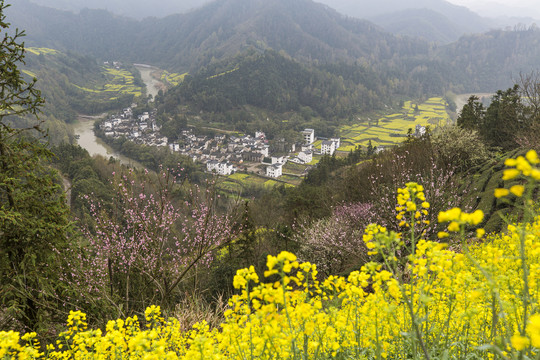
153, 85
84, 131
84, 127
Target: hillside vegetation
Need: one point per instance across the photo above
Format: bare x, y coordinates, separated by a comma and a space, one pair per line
308, 32
74, 84
477, 301
428, 249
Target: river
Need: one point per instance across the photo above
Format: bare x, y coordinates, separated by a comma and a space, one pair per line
84, 127
152, 85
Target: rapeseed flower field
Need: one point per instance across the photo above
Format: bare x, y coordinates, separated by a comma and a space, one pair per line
417, 299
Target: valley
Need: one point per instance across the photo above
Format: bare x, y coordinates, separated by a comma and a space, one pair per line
268, 179
153, 84
85, 137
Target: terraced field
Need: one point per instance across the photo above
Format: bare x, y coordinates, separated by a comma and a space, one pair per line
237, 182
392, 129
39, 51
172, 79
118, 82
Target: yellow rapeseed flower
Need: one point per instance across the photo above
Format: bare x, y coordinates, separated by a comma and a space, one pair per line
510, 174
499, 193
519, 342
517, 190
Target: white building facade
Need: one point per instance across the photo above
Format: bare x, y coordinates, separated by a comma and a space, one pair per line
309, 136
222, 168
274, 171
306, 156
328, 147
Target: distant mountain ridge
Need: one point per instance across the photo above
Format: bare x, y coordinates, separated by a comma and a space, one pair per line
137, 9
426, 24
432, 20
307, 31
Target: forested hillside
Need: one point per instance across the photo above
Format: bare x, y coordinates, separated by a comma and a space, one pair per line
433, 20
305, 30
308, 32
73, 84
428, 249
273, 82
487, 62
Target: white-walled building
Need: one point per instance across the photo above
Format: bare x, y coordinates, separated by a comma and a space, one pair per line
337, 142
275, 170
174, 147
328, 147
309, 136
265, 150
145, 116
306, 156
222, 168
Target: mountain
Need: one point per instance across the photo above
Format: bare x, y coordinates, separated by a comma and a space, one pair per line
73, 84
493, 60
137, 9
433, 20
424, 23
276, 83
307, 31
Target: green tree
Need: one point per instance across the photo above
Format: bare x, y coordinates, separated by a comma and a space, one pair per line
472, 115
370, 149
34, 218
504, 119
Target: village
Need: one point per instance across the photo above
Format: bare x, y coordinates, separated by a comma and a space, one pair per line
222, 154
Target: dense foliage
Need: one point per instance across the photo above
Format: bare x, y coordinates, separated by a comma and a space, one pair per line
273, 82
34, 219
509, 119
145, 238
478, 302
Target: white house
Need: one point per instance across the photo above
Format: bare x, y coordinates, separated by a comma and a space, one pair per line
275, 170
309, 136
222, 168
175, 147
419, 130
144, 117
279, 160
306, 156
328, 147
107, 125
337, 142
265, 150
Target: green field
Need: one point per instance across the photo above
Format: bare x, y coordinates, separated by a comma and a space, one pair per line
236, 182
392, 129
38, 51
172, 79
118, 82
